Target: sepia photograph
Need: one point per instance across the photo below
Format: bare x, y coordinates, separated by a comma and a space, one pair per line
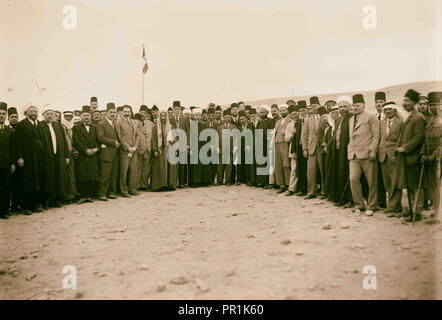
204, 151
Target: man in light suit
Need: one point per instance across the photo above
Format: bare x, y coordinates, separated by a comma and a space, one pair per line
391, 127
129, 140
282, 161
108, 138
225, 167
364, 138
144, 128
180, 121
311, 138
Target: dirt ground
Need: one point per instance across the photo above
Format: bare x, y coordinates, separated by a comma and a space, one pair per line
216, 243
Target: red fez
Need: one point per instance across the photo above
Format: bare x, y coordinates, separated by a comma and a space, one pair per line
435, 97
110, 106
302, 104
380, 96
358, 98
412, 95
314, 100
93, 99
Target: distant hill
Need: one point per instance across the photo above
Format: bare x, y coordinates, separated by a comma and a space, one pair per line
394, 93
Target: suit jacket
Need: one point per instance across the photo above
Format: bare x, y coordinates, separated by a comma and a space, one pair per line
145, 144
127, 133
184, 124
412, 137
389, 142
6, 148
311, 136
223, 142
280, 129
433, 135
364, 137
107, 136
87, 169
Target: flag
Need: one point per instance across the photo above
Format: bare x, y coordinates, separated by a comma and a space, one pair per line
145, 66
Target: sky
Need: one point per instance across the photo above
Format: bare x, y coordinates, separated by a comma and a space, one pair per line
211, 51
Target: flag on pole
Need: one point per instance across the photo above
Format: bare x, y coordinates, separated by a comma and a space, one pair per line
145, 66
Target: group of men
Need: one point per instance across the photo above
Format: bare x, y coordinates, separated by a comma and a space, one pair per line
336, 151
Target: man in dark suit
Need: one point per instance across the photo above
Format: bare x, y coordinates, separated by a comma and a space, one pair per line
108, 138
17, 175
7, 166
84, 136
379, 101
181, 122
29, 155
391, 128
264, 125
409, 147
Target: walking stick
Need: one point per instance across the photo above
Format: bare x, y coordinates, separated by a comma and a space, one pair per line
343, 192
416, 200
406, 182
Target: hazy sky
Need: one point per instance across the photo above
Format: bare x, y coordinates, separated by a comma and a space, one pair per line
204, 51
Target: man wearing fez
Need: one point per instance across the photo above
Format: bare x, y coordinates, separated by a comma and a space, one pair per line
234, 108
94, 104
96, 116
170, 112
389, 134
180, 121
17, 175
225, 168
218, 114
311, 145
29, 155
364, 139
7, 164
408, 150
301, 161
129, 140
290, 137
155, 112
282, 164
379, 100
253, 117
144, 128
274, 110
85, 141
55, 160
431, 151
109, 144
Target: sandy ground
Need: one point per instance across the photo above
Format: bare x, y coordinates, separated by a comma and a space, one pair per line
216, 243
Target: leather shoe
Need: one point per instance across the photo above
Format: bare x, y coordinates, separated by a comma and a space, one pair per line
310, 196
289, 193
125, 195
112, 197
102, 199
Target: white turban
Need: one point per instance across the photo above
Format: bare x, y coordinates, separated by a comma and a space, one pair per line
28, 105
186, 111
344, 98
47, 107
283, 105
197, 110
265, 107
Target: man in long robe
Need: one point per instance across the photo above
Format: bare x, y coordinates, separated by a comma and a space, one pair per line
7, 166
265, 123
29, 154
17, 175
301, 161
342, 139
67, 123
164, 174
55, 160
245, 169
282, 162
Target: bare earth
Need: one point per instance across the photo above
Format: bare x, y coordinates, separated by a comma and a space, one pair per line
215, 243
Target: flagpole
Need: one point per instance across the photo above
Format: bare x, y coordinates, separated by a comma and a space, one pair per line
142, 88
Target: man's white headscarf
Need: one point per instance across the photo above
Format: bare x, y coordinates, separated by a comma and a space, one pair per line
68, 124
168, 130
